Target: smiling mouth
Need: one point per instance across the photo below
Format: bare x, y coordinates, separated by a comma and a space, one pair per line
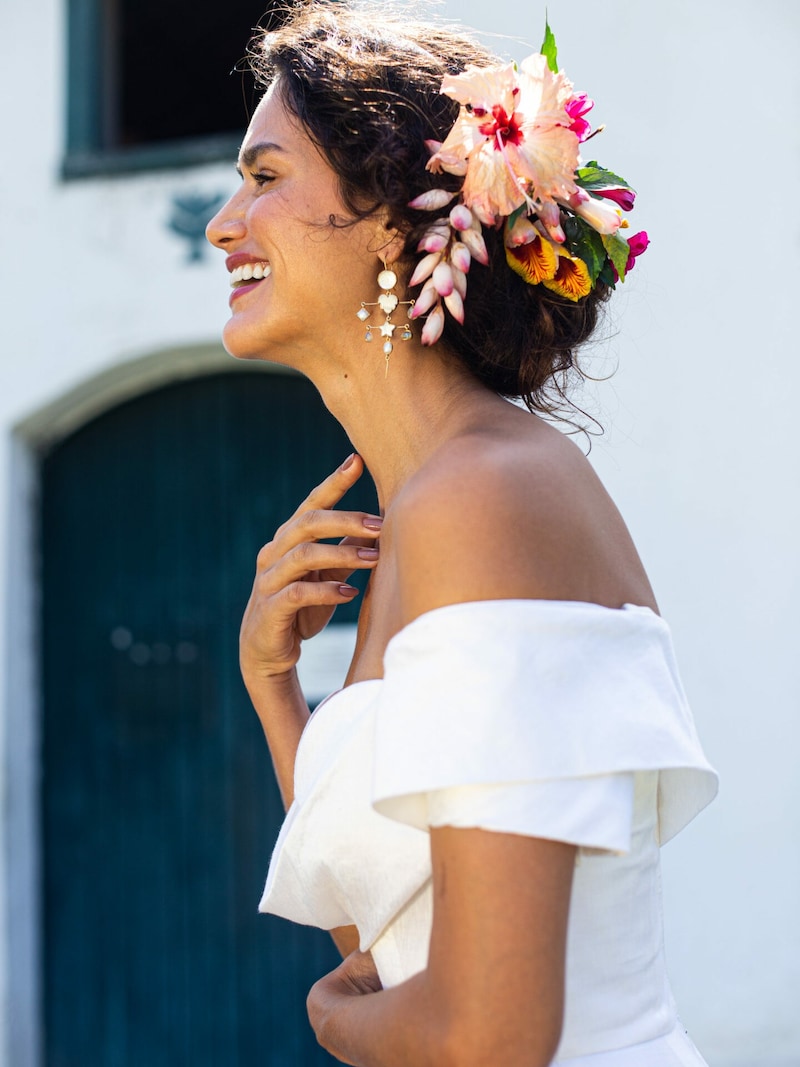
249, 273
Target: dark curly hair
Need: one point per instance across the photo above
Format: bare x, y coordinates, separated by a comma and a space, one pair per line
366, 85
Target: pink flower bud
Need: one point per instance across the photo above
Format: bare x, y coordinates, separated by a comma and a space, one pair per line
425, 268
460, 257
434, 324
443, 279
460, 217
433, 241
432, 200
476, 245
521, 233
455, 305
425, 301
460, 282
550, 217
638, 242
623, 197
576, 108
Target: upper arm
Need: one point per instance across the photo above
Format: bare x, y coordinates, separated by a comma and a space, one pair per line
498, 944
479, 531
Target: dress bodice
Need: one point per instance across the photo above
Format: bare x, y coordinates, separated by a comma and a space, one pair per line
552, 719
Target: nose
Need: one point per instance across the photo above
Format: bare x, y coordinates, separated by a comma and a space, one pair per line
228, 224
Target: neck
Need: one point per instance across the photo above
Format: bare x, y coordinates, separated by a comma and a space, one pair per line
397, 420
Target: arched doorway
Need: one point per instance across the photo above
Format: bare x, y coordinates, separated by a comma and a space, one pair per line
159, 808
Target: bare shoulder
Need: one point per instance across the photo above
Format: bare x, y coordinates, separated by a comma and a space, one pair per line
504, 514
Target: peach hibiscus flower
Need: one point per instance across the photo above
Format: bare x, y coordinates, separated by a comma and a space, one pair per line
513, 132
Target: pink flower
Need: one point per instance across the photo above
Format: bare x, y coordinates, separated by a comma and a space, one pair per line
576, 108
637, 244
623, 197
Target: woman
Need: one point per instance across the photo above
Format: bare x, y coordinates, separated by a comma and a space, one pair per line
477, 813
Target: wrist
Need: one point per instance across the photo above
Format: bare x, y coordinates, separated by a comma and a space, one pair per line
268, 690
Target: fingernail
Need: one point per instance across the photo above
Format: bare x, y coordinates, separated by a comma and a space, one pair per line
368, 553
348, 590
373, 522
348, 462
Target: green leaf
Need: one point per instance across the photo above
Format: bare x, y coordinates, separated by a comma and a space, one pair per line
607, 275
515, 214
585, 243
549, 49
593, 176
618, 252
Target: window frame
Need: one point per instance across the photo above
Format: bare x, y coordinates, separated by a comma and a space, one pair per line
90, 107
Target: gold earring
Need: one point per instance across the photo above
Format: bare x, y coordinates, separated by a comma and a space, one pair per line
388, 301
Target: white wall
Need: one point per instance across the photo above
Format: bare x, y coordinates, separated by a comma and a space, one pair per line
698, 100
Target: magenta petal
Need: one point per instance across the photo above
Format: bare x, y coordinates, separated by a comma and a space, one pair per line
623, 197
579, 105
638, 243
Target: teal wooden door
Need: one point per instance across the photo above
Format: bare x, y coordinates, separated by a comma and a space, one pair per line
158, 802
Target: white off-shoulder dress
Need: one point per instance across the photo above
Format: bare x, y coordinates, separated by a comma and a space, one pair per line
552, 719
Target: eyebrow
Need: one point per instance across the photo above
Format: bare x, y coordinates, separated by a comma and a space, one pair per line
251, 154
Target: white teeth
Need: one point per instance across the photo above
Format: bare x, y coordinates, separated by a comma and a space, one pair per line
250, 272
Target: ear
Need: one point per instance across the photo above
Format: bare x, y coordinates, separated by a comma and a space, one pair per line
388, 243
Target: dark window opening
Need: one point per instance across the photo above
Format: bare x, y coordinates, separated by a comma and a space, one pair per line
157, 82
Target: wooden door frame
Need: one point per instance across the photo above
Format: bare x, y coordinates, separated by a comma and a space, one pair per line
21, 948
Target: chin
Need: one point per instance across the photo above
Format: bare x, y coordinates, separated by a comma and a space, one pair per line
238, 344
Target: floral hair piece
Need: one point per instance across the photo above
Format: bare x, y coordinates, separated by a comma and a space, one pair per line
516, 142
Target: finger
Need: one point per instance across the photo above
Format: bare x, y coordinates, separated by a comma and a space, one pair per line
330, 491
293, 598
316, 525
309, 557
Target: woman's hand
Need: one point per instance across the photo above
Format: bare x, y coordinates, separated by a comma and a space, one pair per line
300, 582
356, 976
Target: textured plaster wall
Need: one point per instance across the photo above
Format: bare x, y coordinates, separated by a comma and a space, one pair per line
700, 101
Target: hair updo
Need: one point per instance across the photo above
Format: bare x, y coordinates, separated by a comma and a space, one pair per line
366, 85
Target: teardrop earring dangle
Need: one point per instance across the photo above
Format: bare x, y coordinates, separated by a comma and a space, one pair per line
388, 301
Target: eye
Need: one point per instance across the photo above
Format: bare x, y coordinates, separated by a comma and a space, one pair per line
260, 178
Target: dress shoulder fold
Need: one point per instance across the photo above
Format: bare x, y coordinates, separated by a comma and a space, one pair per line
527, 691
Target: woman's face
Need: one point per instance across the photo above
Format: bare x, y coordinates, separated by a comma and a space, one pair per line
306, 278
